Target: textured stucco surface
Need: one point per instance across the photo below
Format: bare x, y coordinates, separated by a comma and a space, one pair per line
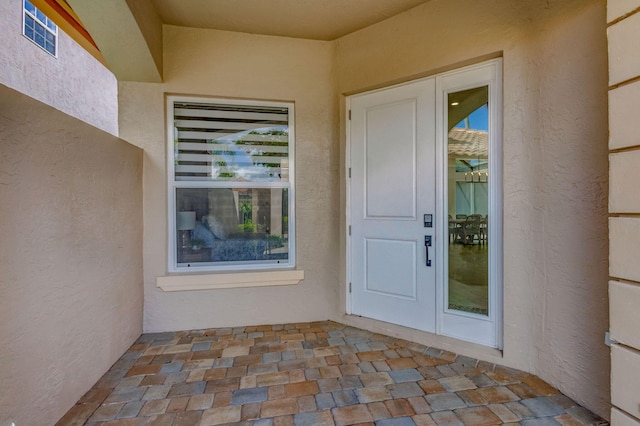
234, 65
555, 168
71, 281
74, 82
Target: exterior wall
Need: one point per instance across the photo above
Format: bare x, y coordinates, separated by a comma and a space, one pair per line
236, 65
555, 169
71, 281
74, 82
624, 208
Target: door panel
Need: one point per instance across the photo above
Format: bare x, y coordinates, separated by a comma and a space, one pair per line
390, 152
391, 136
393, 282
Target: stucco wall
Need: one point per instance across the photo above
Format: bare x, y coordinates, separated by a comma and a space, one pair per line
235, 65
74, 82
71, 281
555, 168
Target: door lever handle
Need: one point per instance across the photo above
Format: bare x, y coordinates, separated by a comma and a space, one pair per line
427, 244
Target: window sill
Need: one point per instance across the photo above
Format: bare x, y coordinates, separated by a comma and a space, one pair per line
229, 280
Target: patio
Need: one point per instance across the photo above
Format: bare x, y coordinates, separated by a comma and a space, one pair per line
321, 373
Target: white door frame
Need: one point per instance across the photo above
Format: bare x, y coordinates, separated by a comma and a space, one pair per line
449, 322
486, 73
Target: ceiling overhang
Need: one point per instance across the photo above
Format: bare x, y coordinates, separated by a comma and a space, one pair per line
308, 19
130, 38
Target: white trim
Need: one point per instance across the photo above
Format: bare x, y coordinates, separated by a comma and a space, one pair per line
229, 280
347, 163
485, 74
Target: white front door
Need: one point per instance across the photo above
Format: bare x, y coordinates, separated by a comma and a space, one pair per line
425, 211
392, 187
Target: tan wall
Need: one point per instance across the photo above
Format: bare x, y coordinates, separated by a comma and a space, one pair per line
71, 280
74, 82
235, 65
624, 223
555, 168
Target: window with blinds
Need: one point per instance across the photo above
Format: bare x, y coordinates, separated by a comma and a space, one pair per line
230, 184
231, 142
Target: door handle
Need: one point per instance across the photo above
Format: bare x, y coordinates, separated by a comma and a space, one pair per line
427, 244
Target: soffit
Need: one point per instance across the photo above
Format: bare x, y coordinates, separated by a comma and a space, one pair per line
123, 41
309, 19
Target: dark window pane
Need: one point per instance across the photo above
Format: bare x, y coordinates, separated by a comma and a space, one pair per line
51, 25
39, 40
30, 7
41, 16
220, 226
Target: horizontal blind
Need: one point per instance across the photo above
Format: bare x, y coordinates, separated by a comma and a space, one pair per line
230, 142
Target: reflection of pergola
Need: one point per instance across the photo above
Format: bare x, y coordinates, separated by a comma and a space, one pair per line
469, 147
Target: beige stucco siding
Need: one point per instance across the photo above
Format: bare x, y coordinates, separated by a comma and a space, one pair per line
225, 64
71, 280
555, 168
73, 82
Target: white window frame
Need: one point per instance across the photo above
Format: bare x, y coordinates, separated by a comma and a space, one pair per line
45, 25
173, 184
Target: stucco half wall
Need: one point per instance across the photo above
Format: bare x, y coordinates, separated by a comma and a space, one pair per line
71, 262
243, 66
555, 168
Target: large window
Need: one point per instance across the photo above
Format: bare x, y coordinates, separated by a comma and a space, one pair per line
231, 193
38, 28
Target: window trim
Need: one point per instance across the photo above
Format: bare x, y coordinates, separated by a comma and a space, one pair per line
173, 184
229, 280
37, 21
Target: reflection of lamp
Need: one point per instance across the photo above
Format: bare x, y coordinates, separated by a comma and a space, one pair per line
185, 223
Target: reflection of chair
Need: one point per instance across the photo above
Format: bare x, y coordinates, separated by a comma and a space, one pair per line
453, 230
461, 216
484, 229
471, 229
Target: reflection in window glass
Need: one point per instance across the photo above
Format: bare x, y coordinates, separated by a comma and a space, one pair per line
222, 226
468, 177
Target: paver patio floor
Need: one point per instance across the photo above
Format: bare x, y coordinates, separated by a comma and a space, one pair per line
321, 373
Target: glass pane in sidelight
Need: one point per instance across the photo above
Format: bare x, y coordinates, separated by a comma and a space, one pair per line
468, 200
225, 226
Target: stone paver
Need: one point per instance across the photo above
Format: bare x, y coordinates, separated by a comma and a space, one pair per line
321, 373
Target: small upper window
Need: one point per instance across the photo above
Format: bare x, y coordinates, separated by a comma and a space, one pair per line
39, 28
